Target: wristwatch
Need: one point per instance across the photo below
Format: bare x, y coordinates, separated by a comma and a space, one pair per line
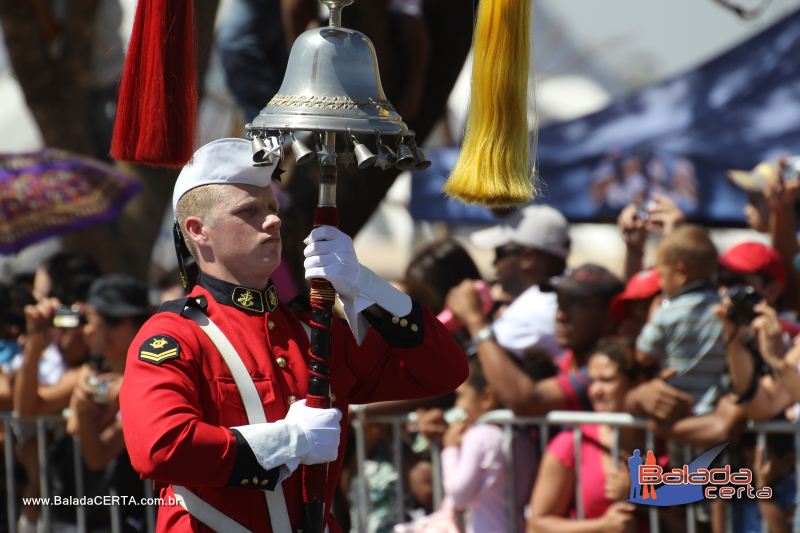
486, 333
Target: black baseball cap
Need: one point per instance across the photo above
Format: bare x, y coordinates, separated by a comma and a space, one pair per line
119, 296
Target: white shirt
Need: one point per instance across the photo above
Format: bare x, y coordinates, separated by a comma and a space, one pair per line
530, 321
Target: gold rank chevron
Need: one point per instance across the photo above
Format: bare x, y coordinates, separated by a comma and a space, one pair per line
158, 357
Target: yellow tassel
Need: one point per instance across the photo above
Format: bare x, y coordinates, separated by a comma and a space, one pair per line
492, 168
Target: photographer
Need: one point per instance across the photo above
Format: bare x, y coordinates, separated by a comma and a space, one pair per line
660, 215
115, 309
763, 373
36, 391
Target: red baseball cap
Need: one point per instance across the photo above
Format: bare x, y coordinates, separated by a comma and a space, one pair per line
642, 286
755, 258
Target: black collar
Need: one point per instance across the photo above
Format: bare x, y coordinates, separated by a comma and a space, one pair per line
251, 300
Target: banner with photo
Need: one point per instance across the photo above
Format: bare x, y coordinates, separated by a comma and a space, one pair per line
678, 137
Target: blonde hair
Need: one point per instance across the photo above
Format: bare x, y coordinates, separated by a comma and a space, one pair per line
692, 246
492, 168
197, 202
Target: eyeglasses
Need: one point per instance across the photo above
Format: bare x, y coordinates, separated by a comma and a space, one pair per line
507, 251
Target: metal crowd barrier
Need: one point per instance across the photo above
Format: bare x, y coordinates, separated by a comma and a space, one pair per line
12, 501
504, 418
574, 419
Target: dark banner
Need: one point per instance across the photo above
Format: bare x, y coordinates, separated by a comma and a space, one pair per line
678, 137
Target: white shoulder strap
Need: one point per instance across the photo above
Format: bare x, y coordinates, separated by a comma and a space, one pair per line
206, 514
276, 504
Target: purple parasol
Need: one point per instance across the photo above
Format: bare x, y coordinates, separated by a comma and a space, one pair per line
52, 192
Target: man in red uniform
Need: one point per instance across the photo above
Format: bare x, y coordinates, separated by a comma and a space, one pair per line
185, 422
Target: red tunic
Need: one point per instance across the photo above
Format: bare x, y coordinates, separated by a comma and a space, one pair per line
175, 414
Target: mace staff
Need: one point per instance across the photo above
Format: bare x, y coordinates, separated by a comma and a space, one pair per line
332, 90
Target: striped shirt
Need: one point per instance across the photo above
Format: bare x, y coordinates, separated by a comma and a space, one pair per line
684, 334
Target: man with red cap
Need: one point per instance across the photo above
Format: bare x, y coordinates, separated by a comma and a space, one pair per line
212, 401
757, 265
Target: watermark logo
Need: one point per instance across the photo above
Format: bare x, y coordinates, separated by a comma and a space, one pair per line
651, 484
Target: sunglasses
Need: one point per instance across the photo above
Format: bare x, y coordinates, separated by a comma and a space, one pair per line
507, 251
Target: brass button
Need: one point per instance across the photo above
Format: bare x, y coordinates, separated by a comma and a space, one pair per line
270, 324
265, 483
404, 322
414, 328
395, 319
255, 480
291, 399
281, 362
333, 397
245, 481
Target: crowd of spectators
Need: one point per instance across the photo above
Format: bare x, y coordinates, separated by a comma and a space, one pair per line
697, 343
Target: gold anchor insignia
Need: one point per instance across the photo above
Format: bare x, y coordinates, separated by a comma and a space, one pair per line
159, 343
272, 295
246, 299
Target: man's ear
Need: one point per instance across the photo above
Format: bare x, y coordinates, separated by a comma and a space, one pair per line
194, 230
528, 259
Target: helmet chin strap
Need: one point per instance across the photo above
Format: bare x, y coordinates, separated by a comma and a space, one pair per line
186, 264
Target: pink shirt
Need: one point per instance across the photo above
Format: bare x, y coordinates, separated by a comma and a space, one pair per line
474, 477
592, 474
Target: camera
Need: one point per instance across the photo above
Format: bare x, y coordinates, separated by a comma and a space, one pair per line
743, 299
643, 210
791, 169
100, 386
68, 317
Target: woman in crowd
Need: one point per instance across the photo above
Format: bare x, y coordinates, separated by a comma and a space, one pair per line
605, 482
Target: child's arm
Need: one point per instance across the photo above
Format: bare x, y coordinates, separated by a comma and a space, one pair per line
651, 344
461, 464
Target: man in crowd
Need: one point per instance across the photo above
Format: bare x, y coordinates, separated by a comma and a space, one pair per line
582, 318
208, 418
531, 246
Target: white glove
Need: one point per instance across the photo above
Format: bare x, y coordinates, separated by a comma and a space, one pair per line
306, 435
321, 429
330, 255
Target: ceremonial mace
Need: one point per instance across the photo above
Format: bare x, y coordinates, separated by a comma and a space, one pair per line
331, 97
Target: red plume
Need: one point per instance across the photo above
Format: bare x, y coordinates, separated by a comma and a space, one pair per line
157, 106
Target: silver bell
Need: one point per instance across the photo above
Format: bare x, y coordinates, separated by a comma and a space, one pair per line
405, 158
302, 154
364, 156
260, 150
386, 157
421, 160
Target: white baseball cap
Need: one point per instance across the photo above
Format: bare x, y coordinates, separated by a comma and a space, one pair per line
227, 161
536, 226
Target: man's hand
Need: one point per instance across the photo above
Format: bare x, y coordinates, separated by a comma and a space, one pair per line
431, 424
632, 228
659, 400
778, 193
330, 255
464, 301
665, 215
38, 321
321, 429
769, 335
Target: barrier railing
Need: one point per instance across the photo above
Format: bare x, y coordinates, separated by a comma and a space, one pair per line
42, 424
574, 419
503, 418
